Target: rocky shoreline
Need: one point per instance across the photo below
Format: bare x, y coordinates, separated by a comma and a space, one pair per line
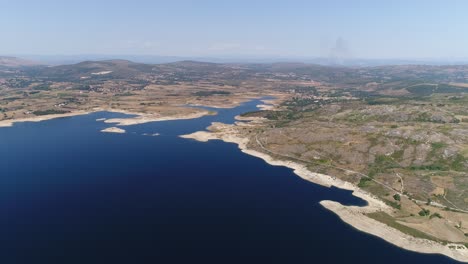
139, 118
352, 215
10, 122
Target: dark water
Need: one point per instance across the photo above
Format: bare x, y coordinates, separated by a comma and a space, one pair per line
71, 194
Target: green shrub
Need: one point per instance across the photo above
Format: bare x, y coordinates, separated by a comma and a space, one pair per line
424, 212
49, 112
364, 182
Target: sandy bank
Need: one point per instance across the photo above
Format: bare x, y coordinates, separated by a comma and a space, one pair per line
265, 107
350, 214
113, 130
146, 118
355, 217
9, 123
202, 136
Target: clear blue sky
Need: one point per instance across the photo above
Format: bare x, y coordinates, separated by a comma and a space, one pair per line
358, 29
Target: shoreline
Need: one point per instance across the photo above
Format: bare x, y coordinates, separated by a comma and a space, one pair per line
138, 118
11, 122
275, 98
351, 215
142, 118
355, 217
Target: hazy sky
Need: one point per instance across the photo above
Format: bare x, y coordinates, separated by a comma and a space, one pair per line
347, 28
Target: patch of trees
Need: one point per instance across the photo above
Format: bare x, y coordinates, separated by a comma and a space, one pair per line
49, 112
426, 89
393, 204
422, 89
424, 212
19, 83
81, 87
42, 87
210, 93
364, 182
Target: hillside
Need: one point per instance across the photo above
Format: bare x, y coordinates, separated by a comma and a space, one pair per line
13, 62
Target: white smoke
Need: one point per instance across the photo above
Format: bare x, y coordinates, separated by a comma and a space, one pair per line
340, 51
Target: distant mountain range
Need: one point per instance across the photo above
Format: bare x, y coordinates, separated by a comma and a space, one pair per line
154, 59
386, 77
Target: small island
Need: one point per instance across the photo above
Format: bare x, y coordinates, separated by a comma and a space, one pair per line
113, 130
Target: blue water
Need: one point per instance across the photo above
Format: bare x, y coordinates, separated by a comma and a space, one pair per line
71, 194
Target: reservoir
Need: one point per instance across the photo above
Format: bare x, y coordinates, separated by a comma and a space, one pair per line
72, 194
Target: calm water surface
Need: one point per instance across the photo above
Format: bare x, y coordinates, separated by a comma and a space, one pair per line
71, 194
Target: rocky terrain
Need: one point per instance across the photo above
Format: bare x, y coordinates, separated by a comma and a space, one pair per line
410, 152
